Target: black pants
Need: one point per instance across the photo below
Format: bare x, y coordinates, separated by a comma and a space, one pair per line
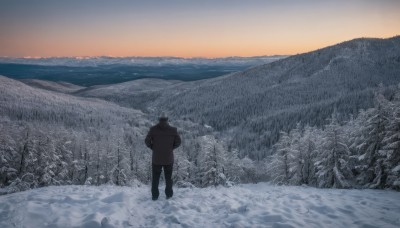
156, 179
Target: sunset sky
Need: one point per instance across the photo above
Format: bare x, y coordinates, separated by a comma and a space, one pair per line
185, 28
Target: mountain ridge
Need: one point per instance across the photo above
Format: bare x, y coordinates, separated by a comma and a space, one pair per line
135, 60
251, 107
95, 135
340, 77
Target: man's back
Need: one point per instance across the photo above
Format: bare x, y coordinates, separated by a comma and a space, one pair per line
162, 139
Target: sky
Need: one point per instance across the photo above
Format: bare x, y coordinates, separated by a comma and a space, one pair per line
188, 28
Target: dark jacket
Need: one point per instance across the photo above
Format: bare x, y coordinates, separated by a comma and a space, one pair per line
162, 139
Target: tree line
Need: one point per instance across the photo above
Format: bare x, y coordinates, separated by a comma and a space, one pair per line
363, 152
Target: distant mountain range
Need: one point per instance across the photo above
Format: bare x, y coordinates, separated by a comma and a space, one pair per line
88, 71
138, 61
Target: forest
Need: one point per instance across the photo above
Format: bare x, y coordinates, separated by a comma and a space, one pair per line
363, 152
42, 149
328, 118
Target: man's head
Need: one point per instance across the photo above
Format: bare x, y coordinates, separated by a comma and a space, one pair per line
163, 117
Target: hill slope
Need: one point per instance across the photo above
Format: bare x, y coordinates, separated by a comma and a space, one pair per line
264, 100
320, 76
62, 87
23, 102
52, 138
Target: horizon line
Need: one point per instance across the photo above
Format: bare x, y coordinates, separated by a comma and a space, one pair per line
140, 56
190, 57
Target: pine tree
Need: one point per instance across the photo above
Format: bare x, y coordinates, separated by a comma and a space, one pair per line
234, 171
8, 155
295, 157
391, 144
181, 166
279, 169
370, 150
333, 167
308, 149
212, 162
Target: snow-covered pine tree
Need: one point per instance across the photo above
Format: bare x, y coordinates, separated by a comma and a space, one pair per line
279, 169
249, 169
212, 162
233, 170
295, 157
182, 166
47, 161
25, 176
87, 162
98, 165
370, 144
391, 143
309, 152
332, 165
8, 156
77, 165
120, 170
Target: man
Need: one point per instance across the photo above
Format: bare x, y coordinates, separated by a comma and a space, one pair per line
162, 139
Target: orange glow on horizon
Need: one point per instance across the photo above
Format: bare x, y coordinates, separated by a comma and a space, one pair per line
176, 50
258, 28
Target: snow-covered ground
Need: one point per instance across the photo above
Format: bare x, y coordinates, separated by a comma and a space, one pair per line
250, 205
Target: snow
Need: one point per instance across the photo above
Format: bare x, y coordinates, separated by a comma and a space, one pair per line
396, 169
248, 205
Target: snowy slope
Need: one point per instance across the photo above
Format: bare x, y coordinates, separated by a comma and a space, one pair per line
62, 87
18, 97
138, 91
252, 205
258, 103
127, 88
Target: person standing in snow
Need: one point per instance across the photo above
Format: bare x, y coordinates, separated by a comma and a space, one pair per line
162, 139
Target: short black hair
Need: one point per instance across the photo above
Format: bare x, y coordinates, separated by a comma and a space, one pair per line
163, 119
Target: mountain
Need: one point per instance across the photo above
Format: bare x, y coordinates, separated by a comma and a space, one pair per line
253, 106
137, 61
57, 133
91, 71
260, 102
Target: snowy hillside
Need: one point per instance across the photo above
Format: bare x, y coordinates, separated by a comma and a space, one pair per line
51, 138
129, 88
62, 87
253, 106
251, 205
22, 102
